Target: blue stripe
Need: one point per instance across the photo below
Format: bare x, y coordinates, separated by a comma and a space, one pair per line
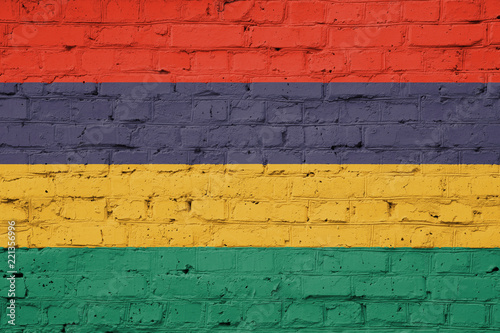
192, 123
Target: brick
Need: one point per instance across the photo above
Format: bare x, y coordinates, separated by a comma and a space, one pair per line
249, 62
279, 37
9, 10
185, 312
302, 315
456, 11
13, 109
383, 12
491, 9
406, 136
27, 314
410, 263
452, 262
382, 314
255, 261
355, 262
362, 37
312, 90
263, 314
115, 36
306, 12
328, 188
284, 113
414, 11
485, 60
109, 314
468, 288
446, 35
360, 112
207, 36
224, 314
174, 61
41, 12
145, 313
88, 110
130, 110
496, 316
94, 61
198, 11
366, 60
400, 110
258, 11
172, 112
210, 111
209, 260
494, 34
244, 111
41, 35
345, 13
327, 62
329, 211
78, 11
384, 186
427, 313
315, 286
404, 61
443, 60
121, 11
296, 261
50, 110
119, 286
322, 112
159, 10
390, 287
288, 62
344, 313
486, 262
184, 285
471, 315
211, 61
64, 314
328, 136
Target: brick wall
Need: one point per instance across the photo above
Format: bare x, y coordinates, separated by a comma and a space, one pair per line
262, 290
239, 41
321, 133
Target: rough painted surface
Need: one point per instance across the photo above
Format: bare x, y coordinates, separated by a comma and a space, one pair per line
242, 41
252, 205
236, 164
259, 123
263, 290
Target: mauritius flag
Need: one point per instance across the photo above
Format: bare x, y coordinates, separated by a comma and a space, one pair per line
239, 166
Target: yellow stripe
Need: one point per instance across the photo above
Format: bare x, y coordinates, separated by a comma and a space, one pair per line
252, 205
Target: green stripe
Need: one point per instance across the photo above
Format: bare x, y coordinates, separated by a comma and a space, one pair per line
255, 289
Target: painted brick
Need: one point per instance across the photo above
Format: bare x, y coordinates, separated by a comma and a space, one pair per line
427, 313
298, 315
325, 286
262, 295
145, 313
468, 315
382, 314
221, 43
345, 313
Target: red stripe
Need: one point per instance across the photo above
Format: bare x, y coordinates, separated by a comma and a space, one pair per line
243, 41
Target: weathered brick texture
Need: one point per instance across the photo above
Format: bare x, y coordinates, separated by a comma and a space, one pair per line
190, 123
262, 290
312, 158
241, 41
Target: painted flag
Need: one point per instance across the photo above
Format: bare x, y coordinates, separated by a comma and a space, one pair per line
267, 166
